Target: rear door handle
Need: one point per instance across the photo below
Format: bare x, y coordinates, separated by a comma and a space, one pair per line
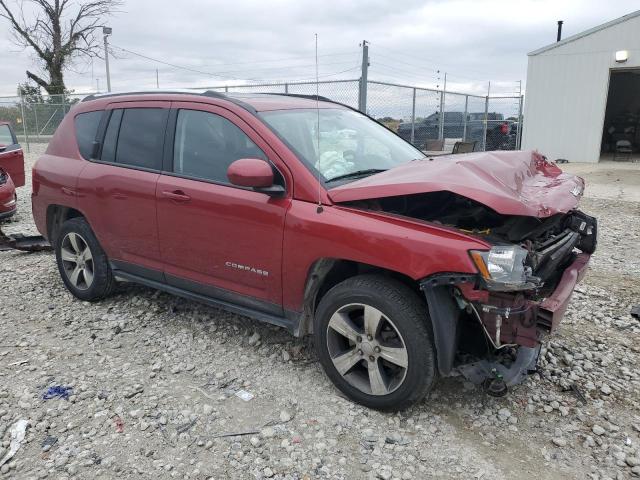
177, 196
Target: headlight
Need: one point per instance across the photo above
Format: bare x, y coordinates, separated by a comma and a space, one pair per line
503, 267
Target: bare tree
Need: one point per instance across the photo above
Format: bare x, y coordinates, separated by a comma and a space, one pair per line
59, 31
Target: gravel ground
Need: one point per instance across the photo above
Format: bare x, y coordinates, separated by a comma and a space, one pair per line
155, 378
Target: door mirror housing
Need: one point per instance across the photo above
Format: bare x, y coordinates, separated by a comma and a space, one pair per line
253, 173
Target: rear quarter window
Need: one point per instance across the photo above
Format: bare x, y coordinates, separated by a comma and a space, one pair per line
86, 130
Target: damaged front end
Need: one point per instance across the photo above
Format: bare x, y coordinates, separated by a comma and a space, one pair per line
524, 209
489, 326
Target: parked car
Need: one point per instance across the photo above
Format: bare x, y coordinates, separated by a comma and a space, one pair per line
501, 136
403, 268
11, 170
454, 127
429, 128
8, 203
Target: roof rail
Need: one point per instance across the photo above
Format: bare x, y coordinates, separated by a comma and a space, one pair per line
212, 94
207, 93
301, 95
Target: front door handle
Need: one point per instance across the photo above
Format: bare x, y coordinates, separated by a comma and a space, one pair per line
177, 196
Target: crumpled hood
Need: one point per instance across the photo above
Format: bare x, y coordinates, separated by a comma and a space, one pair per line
509, 182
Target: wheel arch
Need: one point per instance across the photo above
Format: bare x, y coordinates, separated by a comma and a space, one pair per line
325, 273
56, 216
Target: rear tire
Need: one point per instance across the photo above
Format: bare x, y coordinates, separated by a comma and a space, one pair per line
373, 338
83, 265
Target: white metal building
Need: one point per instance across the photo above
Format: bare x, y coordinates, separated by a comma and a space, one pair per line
583, 94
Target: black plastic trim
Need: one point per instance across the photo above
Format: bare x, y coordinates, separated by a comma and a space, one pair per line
208, 93
169, 142
132, 268
98, 142
234, 308
319, 98
218, 297
224, 295
440, 279
444, 314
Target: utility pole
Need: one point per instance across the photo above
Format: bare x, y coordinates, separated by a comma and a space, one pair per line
362, 97
442, 104
466, 115
98, 85
486, 118
519, 129
157, 79
106, 31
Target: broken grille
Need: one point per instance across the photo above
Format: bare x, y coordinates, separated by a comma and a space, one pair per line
553, 253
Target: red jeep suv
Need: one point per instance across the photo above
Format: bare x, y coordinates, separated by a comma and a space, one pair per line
307, 214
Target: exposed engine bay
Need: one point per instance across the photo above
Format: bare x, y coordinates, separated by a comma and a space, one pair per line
551, 241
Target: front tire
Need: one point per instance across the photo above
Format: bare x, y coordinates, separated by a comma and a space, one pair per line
83, 265
373, 338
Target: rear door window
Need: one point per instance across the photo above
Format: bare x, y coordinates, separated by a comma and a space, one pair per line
206, 144
140, 138
86, 130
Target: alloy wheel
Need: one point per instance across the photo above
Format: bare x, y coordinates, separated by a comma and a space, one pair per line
367, 349
77, 260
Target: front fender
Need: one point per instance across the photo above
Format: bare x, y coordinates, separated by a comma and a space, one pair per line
411, 248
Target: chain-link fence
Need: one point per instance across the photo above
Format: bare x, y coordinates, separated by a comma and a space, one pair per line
36, 117
429, 119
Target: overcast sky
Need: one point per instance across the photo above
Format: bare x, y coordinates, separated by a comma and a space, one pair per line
240, 41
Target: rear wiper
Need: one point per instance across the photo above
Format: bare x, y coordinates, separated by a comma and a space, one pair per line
358, 173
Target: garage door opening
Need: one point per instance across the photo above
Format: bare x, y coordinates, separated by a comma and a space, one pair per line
621, 132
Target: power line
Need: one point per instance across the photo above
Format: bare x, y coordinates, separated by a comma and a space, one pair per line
327, 75
350, 52
422, 59
403, 72
377, 54
227, 74
180, 67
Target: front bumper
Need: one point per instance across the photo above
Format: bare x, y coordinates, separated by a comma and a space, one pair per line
8, 201
552, 309
516, 319
8, 209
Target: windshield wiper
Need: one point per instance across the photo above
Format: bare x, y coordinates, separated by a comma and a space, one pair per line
358, 173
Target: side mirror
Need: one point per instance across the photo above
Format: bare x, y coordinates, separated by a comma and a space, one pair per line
253, 173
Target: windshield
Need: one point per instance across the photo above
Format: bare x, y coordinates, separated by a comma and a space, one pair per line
349, 142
